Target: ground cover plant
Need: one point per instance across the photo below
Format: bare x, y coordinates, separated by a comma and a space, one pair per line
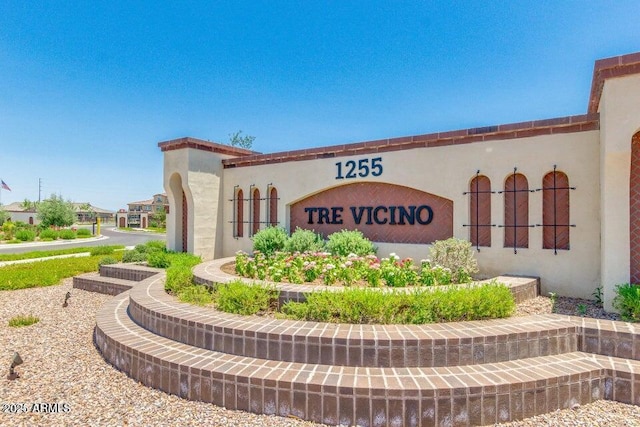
83, 233
350, 270
47, 272
22, 320
94, 250
350, 260
361, 305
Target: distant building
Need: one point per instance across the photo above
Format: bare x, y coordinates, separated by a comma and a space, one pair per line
138, 213
17, 212
88, 213
85, 212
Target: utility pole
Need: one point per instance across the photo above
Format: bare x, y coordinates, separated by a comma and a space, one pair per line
39, 189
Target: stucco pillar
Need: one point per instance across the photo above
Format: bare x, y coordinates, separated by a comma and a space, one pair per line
194, 168
619, 120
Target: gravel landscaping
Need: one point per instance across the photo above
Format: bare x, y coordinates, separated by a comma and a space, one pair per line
61, 365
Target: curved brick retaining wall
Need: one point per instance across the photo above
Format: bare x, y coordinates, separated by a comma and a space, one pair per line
477, 372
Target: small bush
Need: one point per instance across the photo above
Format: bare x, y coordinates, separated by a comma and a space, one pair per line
270, 240
134, 256
26, 235
48, 233
457, 256
83, 232
158, 259
239, 298
345, 242
627, 301
20, 320
107, 260
304, 241
184, 259
102, 250
67, 234
156, 245
178, 278
358, 305
8, 228
196, 294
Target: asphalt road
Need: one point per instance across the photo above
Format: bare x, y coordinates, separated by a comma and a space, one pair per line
112, 238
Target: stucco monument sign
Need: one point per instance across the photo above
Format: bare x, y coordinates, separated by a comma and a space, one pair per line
383, 212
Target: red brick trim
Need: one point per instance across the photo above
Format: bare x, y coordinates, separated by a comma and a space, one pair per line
199, 144
603, 69
570, 124
634, 210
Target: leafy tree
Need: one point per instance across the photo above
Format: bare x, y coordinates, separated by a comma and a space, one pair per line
28, 204
242, 141
160, 217
55, 211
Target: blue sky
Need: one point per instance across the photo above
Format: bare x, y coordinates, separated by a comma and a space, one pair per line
87, 89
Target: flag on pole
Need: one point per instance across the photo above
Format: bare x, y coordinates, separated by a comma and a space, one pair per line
4, 185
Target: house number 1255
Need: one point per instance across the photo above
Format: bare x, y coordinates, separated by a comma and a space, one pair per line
362, 168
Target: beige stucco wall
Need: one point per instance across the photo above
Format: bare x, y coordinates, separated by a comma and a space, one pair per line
447, 171
619, 121
200, 174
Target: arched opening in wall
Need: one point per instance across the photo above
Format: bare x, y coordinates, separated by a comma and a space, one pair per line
181, 214
555, 211
239, 213
255, 220
123, 222
516, 211
273, 206
634, 210
144, 222
480, 211
30, 220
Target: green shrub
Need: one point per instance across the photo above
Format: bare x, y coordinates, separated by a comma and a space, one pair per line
48, 233
20, 320
134, 256
156, 245
363, 305
151, 246
8, 229
184, 259
457, 256
196, 294
26, 235
239, 298
178, 278
304, 241
158, 259
270, 240
67, 234
627, 301
102, 250
107, 260
345, 242
83, 232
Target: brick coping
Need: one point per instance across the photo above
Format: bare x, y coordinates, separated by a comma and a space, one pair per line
561, 125
480, 394
440, 344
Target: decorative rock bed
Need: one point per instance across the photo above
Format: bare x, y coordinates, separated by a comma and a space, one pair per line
466, 373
